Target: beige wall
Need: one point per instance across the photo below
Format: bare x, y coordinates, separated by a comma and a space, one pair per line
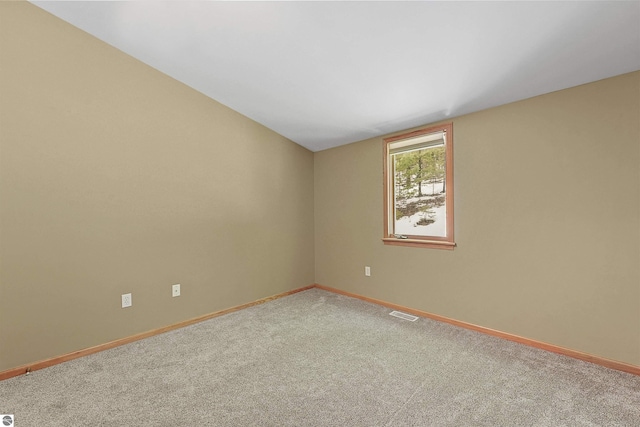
115, 178
547, 222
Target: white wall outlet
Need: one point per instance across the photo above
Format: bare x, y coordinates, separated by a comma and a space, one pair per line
175, 290
126, 300
367, 271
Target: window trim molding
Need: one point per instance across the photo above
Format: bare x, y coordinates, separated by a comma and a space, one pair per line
433, 242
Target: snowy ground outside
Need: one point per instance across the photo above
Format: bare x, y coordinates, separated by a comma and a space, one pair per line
408, 224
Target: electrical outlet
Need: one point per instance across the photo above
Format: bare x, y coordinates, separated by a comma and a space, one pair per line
126, 300
367, 271
175, 290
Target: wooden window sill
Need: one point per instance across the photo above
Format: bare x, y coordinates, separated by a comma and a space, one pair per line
419, 243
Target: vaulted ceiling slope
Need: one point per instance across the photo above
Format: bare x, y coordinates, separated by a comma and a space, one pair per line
325, 74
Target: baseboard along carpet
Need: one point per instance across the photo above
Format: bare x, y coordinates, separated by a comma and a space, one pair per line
317, 358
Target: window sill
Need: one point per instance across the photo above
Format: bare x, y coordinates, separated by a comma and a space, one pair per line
419, 243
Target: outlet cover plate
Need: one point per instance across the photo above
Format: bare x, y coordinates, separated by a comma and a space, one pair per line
126, 300
175, 290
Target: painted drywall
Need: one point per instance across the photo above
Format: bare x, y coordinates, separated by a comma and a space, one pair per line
547, 222
114, 178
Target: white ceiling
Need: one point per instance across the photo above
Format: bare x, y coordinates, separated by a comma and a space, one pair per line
329, 73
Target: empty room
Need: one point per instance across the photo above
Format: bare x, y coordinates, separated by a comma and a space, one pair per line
319, 213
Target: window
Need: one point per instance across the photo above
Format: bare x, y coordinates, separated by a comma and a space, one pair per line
418, 188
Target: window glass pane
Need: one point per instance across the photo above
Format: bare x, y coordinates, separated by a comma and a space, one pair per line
419, 192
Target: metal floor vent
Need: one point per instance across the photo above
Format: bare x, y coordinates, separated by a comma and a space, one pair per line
403, 316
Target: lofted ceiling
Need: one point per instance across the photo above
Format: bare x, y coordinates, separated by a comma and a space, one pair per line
329, 73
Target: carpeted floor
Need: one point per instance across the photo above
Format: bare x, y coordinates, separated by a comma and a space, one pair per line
320, 359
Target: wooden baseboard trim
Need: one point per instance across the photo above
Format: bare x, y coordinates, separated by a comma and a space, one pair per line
25, 369
612, 364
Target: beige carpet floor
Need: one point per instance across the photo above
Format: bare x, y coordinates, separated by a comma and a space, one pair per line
320, 359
